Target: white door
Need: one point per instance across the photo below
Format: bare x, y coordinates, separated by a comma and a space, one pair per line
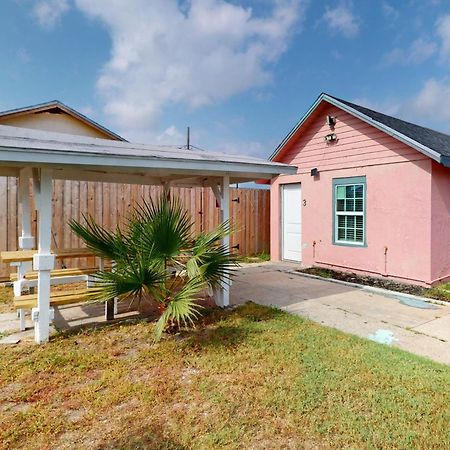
291, 222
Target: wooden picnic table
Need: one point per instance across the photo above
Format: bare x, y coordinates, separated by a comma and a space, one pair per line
60, 253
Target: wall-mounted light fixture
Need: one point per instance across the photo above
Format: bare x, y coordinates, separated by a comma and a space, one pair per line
330, 137
314, 172
331, 121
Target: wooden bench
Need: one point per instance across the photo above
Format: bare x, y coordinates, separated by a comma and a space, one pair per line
27, 255
57, 273
29, 279
57, 298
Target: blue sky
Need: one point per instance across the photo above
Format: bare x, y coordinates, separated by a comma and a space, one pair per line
240, 73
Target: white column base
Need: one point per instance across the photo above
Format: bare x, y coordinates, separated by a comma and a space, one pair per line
41, 314
35, 314
221, 296
225, 296
21, 315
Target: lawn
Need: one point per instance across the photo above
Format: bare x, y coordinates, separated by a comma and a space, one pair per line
6, 299
251, 378
441, 292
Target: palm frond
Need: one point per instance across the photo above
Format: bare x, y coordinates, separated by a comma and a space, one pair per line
157, 255
102, 242
214, 237
163, 226
210, 259
135, 279
182, 307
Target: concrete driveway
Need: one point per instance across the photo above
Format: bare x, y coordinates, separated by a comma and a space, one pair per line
418, 327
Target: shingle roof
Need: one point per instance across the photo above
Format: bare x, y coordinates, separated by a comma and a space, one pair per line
432, 143
435, 140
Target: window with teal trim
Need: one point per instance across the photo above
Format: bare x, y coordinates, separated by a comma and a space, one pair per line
349, 211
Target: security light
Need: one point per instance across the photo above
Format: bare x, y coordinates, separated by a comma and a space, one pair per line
331, 121
330, 137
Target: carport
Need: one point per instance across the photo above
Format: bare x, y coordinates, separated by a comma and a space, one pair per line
43, 156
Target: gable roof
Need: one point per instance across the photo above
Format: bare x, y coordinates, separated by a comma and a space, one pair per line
434, 144
57, 106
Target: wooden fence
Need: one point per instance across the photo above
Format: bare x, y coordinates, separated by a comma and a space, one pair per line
108, 203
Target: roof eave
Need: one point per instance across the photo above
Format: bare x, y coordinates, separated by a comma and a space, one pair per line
296, 127
445, 161
91, 122
388, 130
68, 110
391, 132
83, 161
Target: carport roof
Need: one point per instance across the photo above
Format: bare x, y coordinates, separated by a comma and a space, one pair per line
79, 157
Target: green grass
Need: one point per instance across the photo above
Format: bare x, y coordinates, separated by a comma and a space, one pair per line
441, 292
256, 258
253, 378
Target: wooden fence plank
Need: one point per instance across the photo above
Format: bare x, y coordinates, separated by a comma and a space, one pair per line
109, 202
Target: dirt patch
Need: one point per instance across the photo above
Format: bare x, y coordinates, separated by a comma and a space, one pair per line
384, 283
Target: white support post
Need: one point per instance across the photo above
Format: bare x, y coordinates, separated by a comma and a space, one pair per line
222, 194
36, 188
44, 261
26, 240
225, 216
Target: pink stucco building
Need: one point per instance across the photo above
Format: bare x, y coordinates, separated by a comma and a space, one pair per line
371, 194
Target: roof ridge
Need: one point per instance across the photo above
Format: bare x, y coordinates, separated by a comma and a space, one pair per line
68, 110
432, 143
389, 115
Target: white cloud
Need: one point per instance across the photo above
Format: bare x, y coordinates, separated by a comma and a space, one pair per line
418, 52
342, 20
87, 110
240, 147
196, 53
443, 31
431, 101
389, 11
49, 12
23, 56
427, 107
171, 135
390, 107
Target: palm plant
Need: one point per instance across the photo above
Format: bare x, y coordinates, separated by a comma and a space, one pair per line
156, 255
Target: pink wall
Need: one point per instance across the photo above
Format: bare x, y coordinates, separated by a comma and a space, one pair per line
440, 223
399, 192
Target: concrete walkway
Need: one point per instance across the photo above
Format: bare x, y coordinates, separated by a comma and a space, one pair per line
423, 329
67, 317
